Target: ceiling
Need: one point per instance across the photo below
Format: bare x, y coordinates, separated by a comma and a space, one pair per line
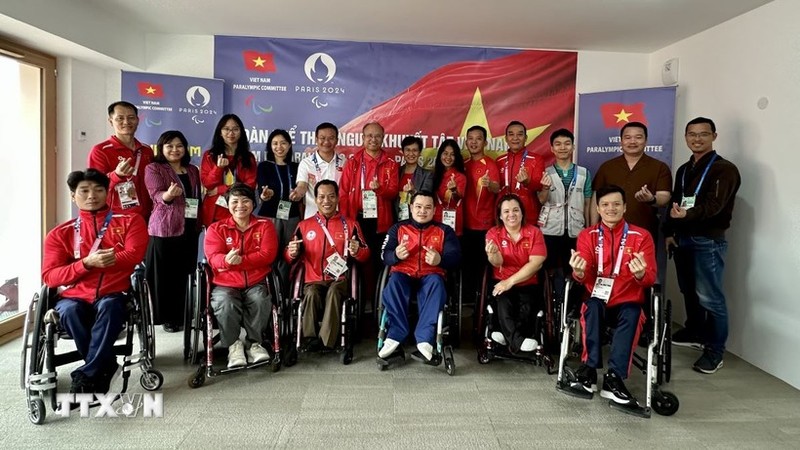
637, 26
604, 25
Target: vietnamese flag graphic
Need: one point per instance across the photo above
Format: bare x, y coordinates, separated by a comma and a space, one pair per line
490, 93
258, 61
615, 115
152, 90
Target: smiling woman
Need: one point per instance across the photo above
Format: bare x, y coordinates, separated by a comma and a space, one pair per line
27, 87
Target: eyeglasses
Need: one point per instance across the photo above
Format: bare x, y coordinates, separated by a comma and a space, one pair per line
231, 130
703, 135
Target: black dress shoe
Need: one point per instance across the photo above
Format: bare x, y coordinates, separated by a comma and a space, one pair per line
171, 328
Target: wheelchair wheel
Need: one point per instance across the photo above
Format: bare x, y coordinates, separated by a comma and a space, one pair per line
665, 403
198, 378
151, 380
36, 411
483, 356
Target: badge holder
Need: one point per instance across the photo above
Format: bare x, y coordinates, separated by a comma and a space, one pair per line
369, 204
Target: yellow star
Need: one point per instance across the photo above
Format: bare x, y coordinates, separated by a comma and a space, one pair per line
259, 62
151, 90
622, 116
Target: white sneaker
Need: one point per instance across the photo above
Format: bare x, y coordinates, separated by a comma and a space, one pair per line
426, 349
256, 354
528, 345
499, 338
389, 346
236, 355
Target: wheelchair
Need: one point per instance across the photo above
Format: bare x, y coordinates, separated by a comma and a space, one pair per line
448, 325
656, 364
42, 331
200, 323
543, 320
348, 322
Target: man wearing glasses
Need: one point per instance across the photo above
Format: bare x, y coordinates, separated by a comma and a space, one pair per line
702, 207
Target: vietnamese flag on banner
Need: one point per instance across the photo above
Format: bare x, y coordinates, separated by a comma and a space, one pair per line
615, 115
490, 93
258, 61
152, 90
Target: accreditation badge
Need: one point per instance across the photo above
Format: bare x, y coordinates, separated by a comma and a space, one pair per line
404, 213
284, 206
336, 265
190, 211
369, 204
602, 288
449, 218
688, 202
127, 194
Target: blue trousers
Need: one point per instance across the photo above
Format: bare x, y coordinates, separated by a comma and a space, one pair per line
630, 320
699, 263
94, 327
431, 297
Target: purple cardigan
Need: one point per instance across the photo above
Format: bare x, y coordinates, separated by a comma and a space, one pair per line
167, 218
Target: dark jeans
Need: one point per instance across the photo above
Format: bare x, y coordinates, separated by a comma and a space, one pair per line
516, 312
431, 296
94, 328
699, 264
630, 320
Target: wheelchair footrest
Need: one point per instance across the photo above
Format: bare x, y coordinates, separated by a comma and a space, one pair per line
634, 409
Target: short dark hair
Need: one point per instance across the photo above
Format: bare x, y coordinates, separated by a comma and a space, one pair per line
326, 183
241, 190
609, 189
633, 125
410, 140
268, 150
93, 175
423, 193
506, 198
478, 128
167, 137
561, 132
699, 120
326, 126
515, 122
124, 104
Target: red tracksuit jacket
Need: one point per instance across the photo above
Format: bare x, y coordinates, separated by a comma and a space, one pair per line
511, 162
316, 249
126, 233
106, 155
416, 236
212, 176
385, 169
626, 288
258, 247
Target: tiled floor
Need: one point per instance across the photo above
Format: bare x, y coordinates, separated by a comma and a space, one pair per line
319, 403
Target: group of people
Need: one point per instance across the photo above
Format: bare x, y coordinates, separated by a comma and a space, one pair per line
515, 214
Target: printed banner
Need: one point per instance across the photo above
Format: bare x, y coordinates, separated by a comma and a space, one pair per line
168, 102
434, 92
601, 116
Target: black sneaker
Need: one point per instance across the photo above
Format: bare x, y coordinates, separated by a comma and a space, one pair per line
708, 363
81, 384
586, 379
102, 382
686, 338
614, 389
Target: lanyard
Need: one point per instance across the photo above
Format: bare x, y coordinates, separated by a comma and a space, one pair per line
458, 203
316, 164
364, 167
521, 165
138, 160
702, 178
619, 255
76, 241
280, 178
571, 183
328, 233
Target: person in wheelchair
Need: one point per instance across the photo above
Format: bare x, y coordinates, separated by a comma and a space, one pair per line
616, 263
240, 251
419, 251
92, 258
323, 243
516, 251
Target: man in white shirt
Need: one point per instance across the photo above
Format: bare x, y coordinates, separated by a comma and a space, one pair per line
323, 164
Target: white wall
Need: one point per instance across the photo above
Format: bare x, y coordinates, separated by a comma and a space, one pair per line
723, 72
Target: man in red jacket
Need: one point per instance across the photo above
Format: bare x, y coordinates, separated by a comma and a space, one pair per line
369, 187
616, 262
324, 241
520, 170
240, 251
123, 159
93, 257
419, 252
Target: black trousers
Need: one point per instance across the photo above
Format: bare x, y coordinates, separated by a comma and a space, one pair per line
169, 262
516, 313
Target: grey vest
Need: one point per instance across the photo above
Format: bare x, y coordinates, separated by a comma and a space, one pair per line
561, 210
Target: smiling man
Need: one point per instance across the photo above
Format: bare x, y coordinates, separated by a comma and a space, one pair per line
123, 159
702, 208
323, 164
615, 262
418, 251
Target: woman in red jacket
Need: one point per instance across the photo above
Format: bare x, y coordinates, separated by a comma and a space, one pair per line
516, 251
227, 161
450, 183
